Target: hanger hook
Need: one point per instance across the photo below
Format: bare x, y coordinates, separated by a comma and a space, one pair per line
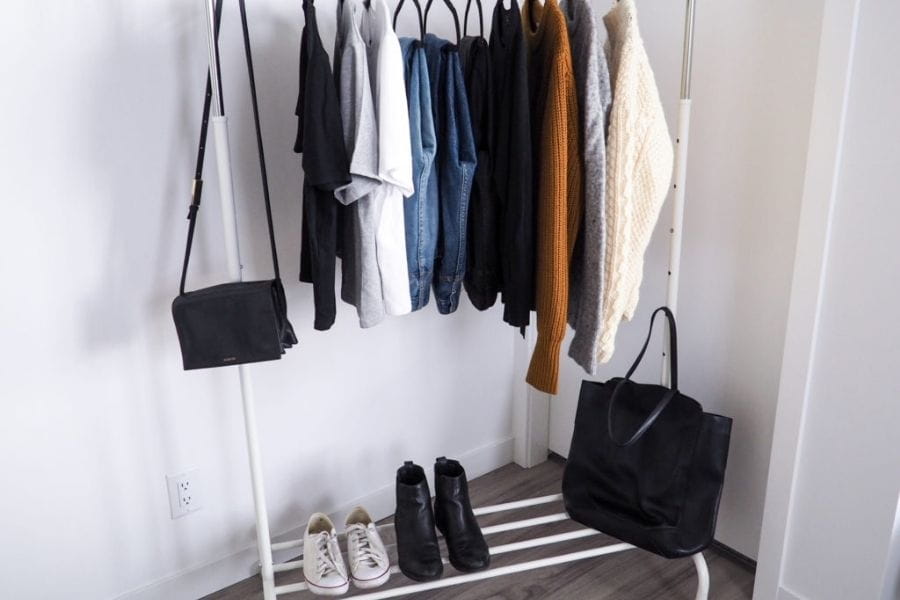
480, 17
453, 12
418, 10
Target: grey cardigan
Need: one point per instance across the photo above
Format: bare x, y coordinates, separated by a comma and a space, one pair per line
594, 100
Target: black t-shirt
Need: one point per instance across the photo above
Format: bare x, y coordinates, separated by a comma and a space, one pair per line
320, 138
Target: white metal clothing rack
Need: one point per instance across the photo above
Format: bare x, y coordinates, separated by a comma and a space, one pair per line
264, 541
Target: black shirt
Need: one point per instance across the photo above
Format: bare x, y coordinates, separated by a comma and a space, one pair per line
320, 138
512, 163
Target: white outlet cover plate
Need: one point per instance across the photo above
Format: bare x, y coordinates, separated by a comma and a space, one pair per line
185, 493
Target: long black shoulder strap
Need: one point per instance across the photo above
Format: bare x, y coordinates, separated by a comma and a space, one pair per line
201, 149
259, 142
197, 186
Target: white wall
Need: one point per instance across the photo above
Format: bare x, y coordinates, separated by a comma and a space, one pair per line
844, 498
753, 77
101, 106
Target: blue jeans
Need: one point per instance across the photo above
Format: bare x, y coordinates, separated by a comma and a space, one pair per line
420, 210
454, 167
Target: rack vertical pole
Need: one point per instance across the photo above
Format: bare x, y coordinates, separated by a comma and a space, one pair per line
681, 155
233, 256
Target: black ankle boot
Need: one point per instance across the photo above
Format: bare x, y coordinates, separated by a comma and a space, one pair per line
419, 555
454, 518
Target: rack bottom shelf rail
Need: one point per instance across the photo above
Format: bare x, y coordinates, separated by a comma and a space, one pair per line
699, 561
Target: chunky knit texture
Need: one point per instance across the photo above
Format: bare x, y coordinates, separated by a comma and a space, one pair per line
554, 111
639, 168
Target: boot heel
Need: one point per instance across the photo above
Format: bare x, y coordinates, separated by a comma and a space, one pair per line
455, 519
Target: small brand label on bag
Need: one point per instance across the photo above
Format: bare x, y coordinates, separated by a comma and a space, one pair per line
229, 359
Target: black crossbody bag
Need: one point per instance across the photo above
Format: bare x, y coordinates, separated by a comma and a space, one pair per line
238, 322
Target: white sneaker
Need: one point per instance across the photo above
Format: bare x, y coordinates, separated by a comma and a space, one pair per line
369, 563
323, 565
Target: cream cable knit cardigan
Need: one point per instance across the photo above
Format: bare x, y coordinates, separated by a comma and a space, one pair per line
639, 168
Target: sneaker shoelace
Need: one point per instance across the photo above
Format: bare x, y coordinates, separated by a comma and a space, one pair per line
367, 552
328, 556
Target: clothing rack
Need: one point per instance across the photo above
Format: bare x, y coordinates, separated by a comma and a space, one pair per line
235, 270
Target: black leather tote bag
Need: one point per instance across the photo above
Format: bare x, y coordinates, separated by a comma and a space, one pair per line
242, 321
646, 464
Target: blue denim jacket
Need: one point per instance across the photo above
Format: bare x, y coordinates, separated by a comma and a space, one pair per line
420, 211
454, 166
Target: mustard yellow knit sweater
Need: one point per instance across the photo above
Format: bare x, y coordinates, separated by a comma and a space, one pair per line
554, 115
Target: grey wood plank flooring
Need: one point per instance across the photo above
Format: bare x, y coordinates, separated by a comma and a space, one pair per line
631, 575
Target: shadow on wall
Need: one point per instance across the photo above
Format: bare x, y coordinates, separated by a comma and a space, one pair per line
145, 195
123, 117
125, 111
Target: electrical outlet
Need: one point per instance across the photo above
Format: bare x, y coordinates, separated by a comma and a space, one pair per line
184, 493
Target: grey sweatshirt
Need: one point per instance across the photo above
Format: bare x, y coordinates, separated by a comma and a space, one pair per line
586, 287
360, 278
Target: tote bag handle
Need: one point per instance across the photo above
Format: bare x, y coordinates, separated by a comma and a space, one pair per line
201, 150
673, 388
197, 185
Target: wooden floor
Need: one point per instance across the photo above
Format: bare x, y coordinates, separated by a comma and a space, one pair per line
631, 575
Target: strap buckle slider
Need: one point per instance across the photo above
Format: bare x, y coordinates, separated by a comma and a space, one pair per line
196, 188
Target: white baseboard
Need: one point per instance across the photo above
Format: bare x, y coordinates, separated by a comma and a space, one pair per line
786, 594
200, 580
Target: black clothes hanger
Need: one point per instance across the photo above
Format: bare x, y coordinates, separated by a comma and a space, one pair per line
480, 18
418, 10
453, 12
